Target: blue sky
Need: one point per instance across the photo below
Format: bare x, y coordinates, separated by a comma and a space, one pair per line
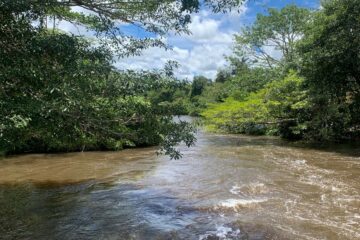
203, 52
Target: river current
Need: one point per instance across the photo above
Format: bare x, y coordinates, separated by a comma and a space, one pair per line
226, 187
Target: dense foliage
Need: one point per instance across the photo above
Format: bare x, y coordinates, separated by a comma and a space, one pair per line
310, 91
330, 52
60, 92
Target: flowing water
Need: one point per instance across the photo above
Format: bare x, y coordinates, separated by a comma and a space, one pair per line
226, 187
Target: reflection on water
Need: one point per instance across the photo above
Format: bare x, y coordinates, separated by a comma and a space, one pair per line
227, 187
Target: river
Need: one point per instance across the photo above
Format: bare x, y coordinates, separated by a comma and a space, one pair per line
226, 187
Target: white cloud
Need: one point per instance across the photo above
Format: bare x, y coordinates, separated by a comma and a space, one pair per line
203, 28
200, 53
201, 59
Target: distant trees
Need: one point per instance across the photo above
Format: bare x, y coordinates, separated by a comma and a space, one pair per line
198, 85
223, 75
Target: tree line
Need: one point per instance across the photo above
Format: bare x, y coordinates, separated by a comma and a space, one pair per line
309, 89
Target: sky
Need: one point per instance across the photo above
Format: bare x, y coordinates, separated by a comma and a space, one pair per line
203, 52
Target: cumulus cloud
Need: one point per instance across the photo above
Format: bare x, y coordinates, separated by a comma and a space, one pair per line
200, 53
203, 28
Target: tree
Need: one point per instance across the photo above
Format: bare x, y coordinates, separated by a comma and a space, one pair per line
320, 99
287, 103
222, 75
60, 92
277, 107
198, 85
330, 51
278, 31
248, 80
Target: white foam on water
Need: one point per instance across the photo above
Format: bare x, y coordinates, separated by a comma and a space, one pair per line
235, 203
300, 161
235, 190
323, 197
221, 232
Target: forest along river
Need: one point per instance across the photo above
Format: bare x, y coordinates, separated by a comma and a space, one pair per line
226, 187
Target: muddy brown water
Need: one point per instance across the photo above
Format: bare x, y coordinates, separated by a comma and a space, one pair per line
226, 187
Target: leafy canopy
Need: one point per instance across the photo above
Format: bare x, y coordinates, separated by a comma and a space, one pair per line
279, 30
